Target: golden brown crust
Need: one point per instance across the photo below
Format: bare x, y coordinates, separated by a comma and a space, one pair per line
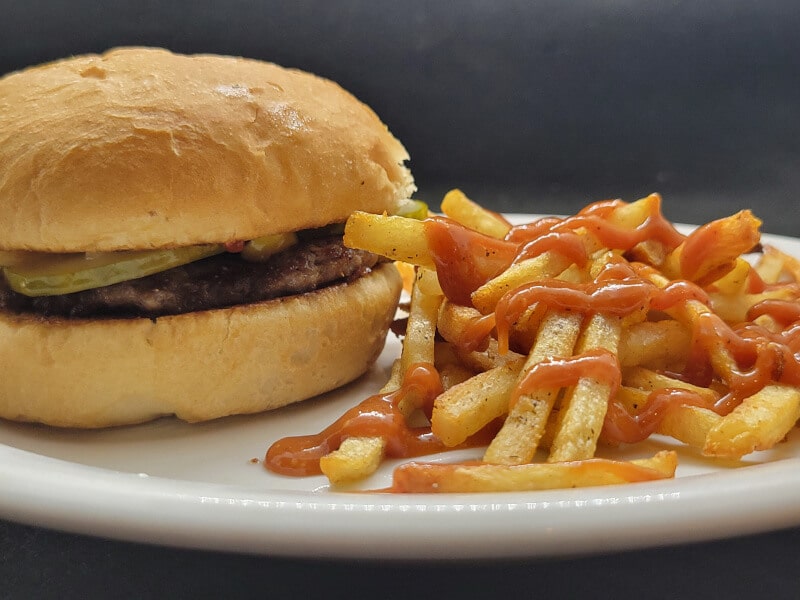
142, 148
199, 366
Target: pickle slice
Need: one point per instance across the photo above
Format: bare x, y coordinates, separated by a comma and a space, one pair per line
413, 209
49, 275
261, 248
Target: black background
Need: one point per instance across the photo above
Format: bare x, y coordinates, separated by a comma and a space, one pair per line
528, 107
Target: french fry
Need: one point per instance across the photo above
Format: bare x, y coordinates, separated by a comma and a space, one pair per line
650, 252
397, 238
459, 324
457, 206
451, 370
654, 344
736, 280
517, 440
490, 358
758, 423
791, 264
444, 478
733, 308
691, 312
770, 266
418, 346
428, 282
775, 266
485, 362
649, 380
714, 247
452, 375
550, 264
546, 265
468, 407
395, 378
633, 214
631, 398
360, 458
356, 458
454, 325
455, 320
550, 429
688, 424
584, 406
408, 273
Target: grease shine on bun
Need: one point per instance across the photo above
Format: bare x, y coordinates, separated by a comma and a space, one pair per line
143, 149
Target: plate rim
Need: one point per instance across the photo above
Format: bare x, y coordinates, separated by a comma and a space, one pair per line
223, 517
83, 499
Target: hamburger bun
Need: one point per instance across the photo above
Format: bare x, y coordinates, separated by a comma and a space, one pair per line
141, 149
198, 366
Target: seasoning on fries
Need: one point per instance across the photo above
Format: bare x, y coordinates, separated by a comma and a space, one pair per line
540, 342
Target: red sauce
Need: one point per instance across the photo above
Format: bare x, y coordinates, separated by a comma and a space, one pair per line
601, 365
475, 334
674, 293
610, 235
758, 357
378, 416
465, 259
783, 311
746, 357
613, 297
677, 292
594, 219
705, 244
621, 427
755, 285
618, 290
235, 246
522, 234
567, 243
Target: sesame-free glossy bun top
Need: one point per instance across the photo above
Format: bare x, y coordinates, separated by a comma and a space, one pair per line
142, 148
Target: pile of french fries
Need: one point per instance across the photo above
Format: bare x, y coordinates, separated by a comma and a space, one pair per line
492, 350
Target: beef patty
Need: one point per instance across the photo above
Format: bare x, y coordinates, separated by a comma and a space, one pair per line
217, 282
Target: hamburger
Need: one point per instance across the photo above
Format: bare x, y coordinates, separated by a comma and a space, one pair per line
170, 237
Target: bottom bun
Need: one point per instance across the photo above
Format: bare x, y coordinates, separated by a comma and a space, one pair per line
197, 366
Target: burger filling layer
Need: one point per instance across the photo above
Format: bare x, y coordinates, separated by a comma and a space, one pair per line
218, 281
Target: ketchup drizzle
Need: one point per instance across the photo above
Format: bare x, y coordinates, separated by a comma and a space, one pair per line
378, 416
597, 364
465, 260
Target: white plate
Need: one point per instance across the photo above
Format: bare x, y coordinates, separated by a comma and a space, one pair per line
196, 486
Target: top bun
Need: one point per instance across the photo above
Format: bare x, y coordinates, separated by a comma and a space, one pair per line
141, 148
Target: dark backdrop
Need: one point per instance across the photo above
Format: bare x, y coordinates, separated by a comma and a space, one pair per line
528, 106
